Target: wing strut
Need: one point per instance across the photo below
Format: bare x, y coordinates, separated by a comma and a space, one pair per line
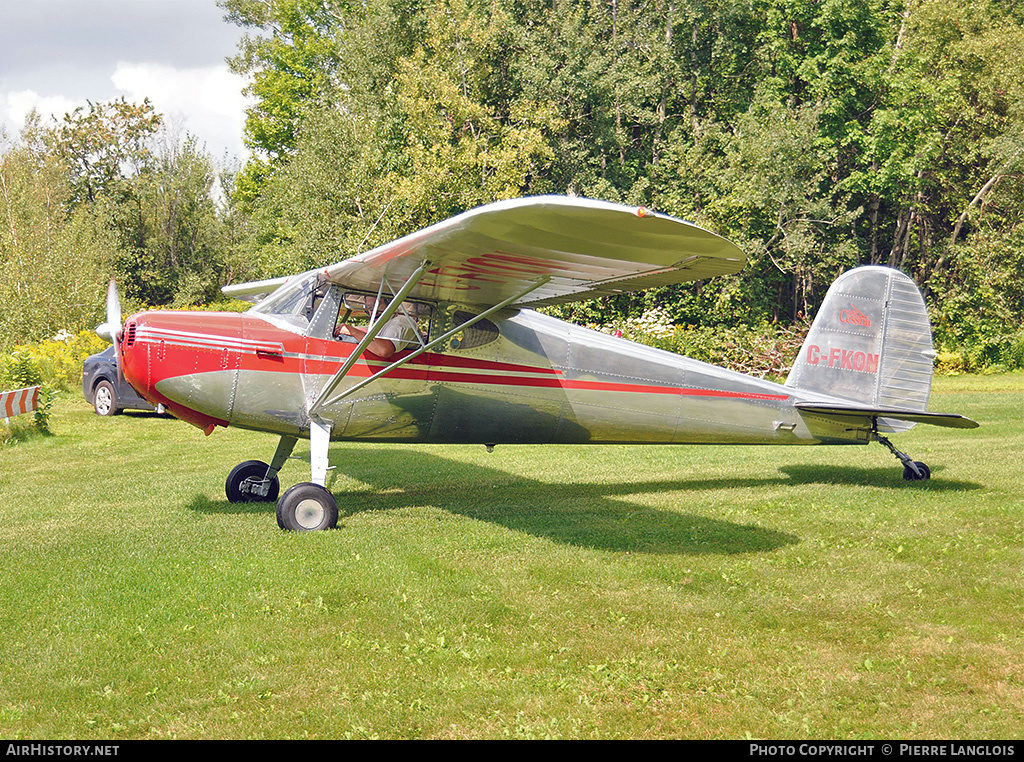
375, 327
325, 397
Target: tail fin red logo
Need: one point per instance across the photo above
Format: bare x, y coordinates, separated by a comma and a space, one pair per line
853, 316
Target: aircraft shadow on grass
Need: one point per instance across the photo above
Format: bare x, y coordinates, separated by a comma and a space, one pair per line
584, 513
870, 477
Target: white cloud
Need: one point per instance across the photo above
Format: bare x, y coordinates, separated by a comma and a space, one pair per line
16, 106
55, 54
206, 102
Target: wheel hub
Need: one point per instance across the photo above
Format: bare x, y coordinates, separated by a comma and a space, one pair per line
255, 486
309, 513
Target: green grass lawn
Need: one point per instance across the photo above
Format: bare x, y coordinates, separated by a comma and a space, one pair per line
588, 592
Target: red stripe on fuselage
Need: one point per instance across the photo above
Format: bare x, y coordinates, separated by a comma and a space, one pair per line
301, 355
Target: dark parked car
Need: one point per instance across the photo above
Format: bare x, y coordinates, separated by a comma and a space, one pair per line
105, 389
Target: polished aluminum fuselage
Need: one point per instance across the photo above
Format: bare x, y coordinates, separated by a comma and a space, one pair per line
534, 379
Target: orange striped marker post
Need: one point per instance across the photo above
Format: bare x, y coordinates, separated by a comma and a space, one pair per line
18, 402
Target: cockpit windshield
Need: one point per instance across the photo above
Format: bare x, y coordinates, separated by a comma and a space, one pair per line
295, 302
312, 305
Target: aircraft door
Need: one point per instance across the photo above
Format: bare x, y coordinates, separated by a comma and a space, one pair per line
397, 406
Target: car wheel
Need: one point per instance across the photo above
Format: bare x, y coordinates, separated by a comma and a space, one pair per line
105, 399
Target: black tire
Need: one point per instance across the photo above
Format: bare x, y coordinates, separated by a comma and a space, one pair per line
247, 483
104, 400
307, 507
910, 476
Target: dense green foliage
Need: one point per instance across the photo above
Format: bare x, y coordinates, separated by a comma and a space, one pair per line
817, 134
55, 366
107, 193
23, 373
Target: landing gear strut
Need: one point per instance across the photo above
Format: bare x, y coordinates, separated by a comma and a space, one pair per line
913, 470
304, 507
308, 506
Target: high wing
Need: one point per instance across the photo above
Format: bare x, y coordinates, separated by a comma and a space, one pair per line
254, 291
574, 248
527, 252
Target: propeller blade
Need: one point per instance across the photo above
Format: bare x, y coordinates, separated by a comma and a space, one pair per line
111, 330
113, 309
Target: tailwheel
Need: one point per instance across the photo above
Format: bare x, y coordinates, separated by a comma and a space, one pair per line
307, 507
917, 471
248, 483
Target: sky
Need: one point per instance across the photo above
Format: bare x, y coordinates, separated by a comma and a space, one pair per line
56, 55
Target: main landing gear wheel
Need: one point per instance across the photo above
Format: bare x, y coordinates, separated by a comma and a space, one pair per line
248, 483
307, 507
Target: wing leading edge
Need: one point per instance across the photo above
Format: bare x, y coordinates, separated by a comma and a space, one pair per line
254, 291
584, 248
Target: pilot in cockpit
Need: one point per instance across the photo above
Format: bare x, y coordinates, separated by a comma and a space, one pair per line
399, 333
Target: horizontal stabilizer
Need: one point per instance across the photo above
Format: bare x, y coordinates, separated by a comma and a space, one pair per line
949, 420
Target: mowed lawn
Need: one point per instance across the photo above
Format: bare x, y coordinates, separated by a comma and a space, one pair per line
532, 592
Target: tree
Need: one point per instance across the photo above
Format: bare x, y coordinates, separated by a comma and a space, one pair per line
292, 60
469, 139
104, 144
817, 133
444, 135
54, 255
173, 248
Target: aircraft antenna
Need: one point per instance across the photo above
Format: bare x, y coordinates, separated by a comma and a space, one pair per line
373, 227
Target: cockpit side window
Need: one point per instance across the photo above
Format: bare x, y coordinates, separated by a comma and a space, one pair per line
407, 329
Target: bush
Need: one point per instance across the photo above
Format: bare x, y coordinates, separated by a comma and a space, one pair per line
58, 361
23, 372
766, 350
978, 306
52, 365
981, 353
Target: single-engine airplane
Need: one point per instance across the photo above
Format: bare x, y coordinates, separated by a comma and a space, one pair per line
432, 338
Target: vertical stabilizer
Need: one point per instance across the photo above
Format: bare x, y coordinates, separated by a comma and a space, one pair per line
871, 342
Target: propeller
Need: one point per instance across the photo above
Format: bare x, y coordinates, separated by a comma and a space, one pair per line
111, 330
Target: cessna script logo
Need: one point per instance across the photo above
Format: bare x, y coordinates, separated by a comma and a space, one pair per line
853, 316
